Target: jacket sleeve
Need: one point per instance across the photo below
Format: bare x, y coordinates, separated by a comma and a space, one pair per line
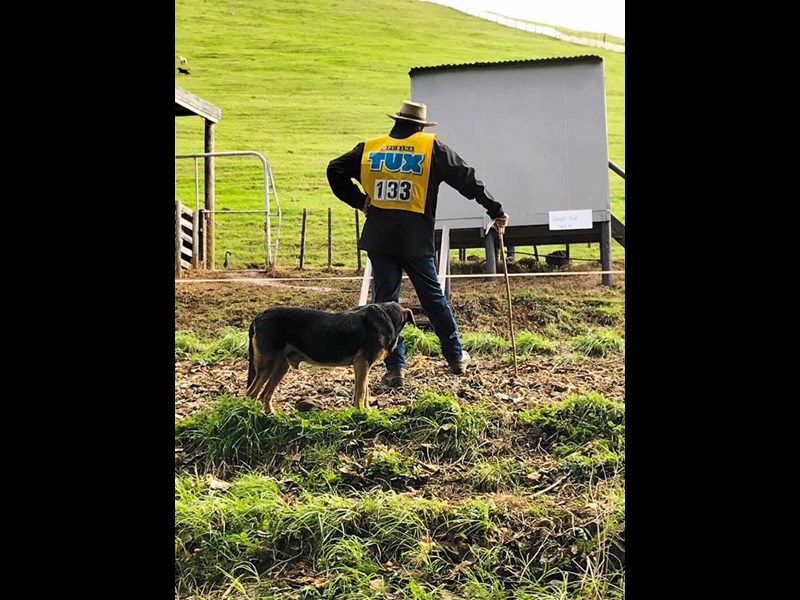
456, 173
341, 172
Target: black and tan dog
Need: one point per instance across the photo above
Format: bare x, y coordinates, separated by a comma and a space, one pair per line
287, 335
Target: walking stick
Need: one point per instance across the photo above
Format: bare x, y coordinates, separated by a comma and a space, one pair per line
500, 231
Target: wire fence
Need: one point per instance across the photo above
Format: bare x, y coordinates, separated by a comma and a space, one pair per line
534, 28
255, 280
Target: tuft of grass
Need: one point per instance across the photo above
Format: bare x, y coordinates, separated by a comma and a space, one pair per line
444, 427
231, 343
568, 358
484, 343
347, 553
215, 529
594, 459
578, 420
186, 344
607, 315
388, 466
529, 342
495, 474
600, 342
417, 341
231, 431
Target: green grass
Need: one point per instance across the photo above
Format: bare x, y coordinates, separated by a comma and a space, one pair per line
417, 341
187, 345
303, 83
365, 540
230, 343
382, 542
236, 432
529, 342
251, 523
494, 474
599, 342
578, 420
478, 342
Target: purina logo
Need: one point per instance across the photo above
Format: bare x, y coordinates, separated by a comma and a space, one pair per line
404, 162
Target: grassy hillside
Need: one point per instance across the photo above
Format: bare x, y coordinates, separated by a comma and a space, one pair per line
304, 82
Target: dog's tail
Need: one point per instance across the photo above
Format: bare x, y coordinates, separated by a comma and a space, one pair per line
251, 370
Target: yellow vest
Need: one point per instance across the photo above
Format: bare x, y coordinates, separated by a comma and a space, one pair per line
395, 173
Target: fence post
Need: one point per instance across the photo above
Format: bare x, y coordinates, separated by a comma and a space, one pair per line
209, 189
303, 239
330, 238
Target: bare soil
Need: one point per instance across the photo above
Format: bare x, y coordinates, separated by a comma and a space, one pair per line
478, 305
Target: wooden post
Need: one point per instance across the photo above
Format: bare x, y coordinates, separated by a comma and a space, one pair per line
196, 250
204, 237
177, 239
209, 191
303, 238
536, 252
330, 238
567, 252
358, 237
195, 238
508, 297
605, 250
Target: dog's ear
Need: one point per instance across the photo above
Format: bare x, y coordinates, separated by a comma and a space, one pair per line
408, 317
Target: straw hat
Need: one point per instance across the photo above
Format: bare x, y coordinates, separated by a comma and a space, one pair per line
413, 111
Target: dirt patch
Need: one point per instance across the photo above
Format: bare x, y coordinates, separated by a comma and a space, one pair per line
541, 379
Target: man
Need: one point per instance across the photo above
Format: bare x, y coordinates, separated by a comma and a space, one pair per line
400, 173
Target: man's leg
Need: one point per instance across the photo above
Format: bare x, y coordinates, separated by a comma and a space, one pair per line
422, 273
387, 275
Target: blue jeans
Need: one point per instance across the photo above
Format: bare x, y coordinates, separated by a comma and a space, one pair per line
387, 272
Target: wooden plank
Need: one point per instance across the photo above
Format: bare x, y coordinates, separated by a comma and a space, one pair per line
195, 239
618, 230
186, 237
185, 264
177, 239
187, 211
188, 103
616, 169
186, 252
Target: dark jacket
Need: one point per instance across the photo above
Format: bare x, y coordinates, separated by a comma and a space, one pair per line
400, 231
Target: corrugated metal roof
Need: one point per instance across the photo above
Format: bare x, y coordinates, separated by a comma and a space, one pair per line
544, 62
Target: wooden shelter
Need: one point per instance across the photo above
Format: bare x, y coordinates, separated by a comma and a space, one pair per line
187, 236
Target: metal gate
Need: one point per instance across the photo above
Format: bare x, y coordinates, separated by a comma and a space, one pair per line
205, 220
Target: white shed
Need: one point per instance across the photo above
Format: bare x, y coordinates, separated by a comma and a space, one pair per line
535, 131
